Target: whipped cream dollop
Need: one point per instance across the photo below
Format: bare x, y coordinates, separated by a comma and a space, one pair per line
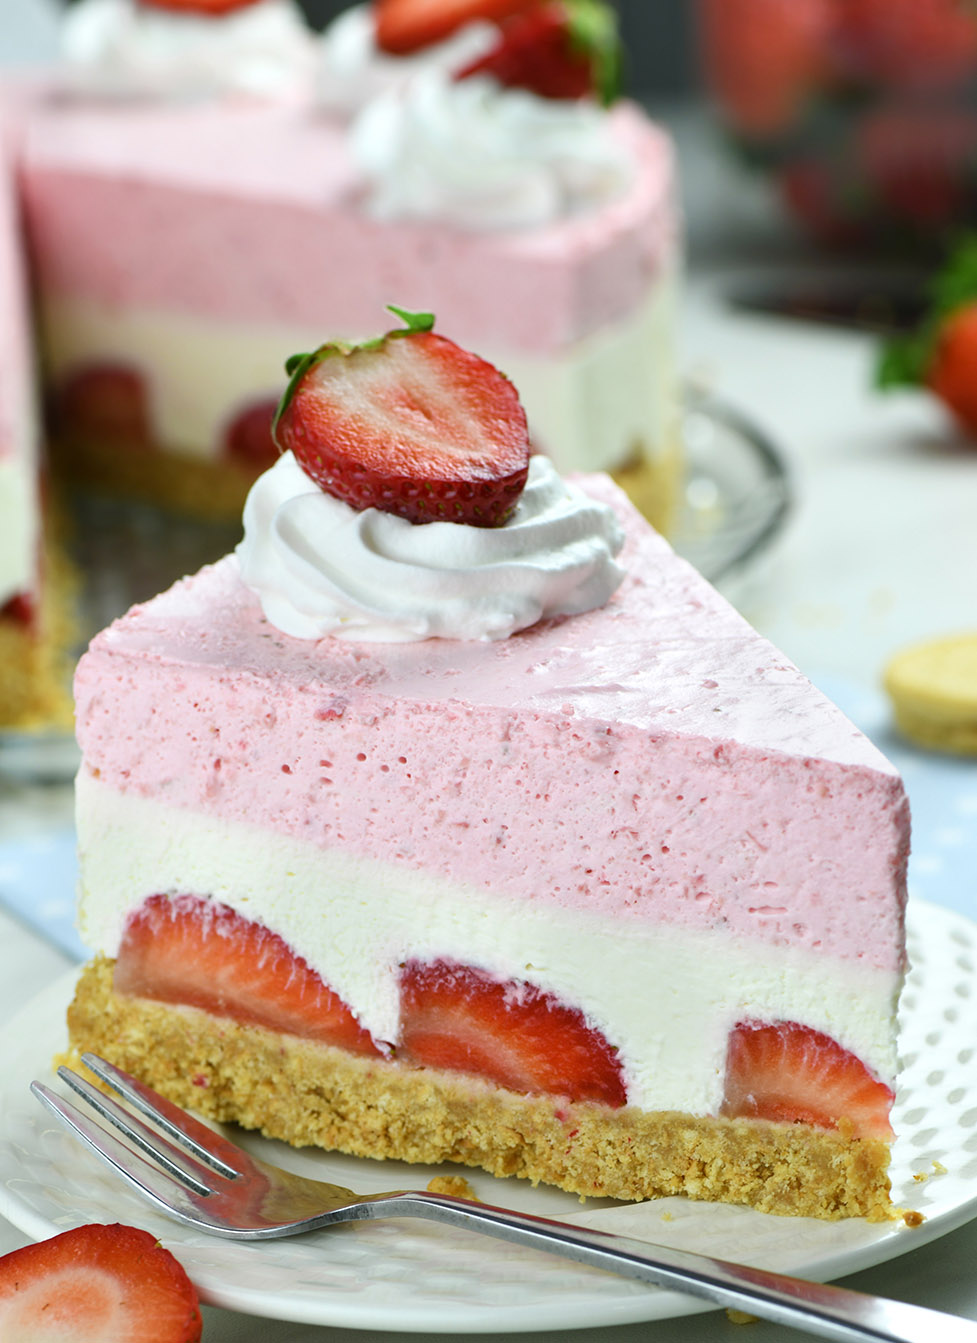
119, 48
353, 70
480, 156
321, 568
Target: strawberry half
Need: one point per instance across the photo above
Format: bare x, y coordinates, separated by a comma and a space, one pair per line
410, 424
405, 26
207, 7
941, 354
460, 1018
97, 1284
563, 49
789, 1073
202, 954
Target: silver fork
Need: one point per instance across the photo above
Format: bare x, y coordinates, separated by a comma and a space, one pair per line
204, 1180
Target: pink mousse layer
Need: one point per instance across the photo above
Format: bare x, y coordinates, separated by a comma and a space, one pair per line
252, 213
654, 759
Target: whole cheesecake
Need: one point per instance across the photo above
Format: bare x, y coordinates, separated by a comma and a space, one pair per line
514, 846
166, 228
34, 675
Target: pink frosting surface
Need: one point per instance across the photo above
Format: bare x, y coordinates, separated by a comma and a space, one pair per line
654, 759
252, 212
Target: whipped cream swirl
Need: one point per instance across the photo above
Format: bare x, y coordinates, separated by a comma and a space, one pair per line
480, 156
353, 70
321, 568
119, 48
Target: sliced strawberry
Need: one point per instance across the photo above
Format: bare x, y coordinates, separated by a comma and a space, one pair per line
106, 402
21, 608
212, 7
97, 1284
562, 49
405, 26
458, 1017
183, 949
410, 424
787, 1072
248, 440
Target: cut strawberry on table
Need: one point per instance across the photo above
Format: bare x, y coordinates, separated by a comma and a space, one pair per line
460, 1018
406, 26
787, 1072
410, 424
562, 49
97, 1284
199, 953
941, 355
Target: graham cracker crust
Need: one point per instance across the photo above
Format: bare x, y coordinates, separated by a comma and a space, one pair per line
310, 1094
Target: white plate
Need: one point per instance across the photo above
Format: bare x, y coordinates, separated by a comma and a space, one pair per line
415, 1276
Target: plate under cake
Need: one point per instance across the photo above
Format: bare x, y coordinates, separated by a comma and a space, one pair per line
171, 236
34, 673
634, 842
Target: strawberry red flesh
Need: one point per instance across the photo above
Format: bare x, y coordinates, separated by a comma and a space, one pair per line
105, 402
412, 425
97, 1284
460, 1018
406, 26
199, 953
789, 1073
552, 53
207, 7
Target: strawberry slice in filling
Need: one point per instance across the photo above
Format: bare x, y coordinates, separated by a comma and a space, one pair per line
199, 953
460, 1018
790, 1073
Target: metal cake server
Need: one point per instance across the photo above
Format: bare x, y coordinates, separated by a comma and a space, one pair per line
207, 1182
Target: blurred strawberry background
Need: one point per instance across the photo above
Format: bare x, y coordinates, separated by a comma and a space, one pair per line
862, 113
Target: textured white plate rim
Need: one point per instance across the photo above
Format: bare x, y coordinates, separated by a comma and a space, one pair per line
37, 1033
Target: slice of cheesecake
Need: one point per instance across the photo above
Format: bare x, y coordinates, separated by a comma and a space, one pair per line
614, 903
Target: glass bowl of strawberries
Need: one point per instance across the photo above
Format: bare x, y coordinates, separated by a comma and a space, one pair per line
862, 113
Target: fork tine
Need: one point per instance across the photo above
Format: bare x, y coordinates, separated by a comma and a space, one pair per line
149, 1179
176, 1162
208, 1146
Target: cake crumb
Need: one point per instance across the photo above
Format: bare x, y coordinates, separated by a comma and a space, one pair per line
455, 1186
913, 1219
921, 1176
667, 1217
939, 1168
739, 1316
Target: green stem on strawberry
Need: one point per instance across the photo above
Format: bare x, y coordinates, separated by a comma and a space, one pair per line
593, 30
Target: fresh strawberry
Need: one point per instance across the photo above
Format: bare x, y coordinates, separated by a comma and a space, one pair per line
207, 7
562, 49
942, 354
790, 1073
458, 1017
182, 949
248, 440
97, 1284
919, 163
764, 58
907, 44
105, 402
405, 26
409, 423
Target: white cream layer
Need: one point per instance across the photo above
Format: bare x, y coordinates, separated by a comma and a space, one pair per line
18, 526
667, 997
588, 406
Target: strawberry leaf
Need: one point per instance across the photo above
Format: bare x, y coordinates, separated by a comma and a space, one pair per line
593, 31
414, 321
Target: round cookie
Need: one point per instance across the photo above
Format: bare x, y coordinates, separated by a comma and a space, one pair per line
933, 688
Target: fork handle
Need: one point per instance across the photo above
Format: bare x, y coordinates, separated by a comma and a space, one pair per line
819, 1308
